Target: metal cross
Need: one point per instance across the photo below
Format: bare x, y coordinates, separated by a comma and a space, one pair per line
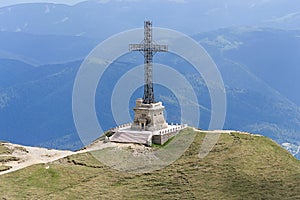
148, 48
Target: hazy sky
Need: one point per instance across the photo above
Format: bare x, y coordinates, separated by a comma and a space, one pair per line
4, 3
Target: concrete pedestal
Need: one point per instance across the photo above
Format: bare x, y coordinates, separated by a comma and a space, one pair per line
149, 117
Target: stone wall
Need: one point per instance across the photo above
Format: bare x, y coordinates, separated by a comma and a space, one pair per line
161, 139
164, 135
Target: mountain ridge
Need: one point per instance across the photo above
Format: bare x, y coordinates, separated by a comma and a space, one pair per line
239, 166
63, 19
42, 96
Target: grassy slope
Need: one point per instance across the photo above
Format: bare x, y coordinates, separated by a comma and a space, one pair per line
239, 167
3, 159
4, 150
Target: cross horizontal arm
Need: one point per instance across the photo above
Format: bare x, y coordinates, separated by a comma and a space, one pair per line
152, 48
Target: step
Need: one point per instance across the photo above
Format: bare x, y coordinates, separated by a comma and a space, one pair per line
130, 137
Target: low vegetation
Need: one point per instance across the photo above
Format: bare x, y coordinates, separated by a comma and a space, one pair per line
5, 159
4, 168
240, 166
20, 148
4, 149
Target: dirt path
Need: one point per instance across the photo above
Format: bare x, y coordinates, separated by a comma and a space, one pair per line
28, 156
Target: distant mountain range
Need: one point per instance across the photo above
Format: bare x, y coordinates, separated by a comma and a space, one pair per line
259, 67
43, 49
39, 62
102, 18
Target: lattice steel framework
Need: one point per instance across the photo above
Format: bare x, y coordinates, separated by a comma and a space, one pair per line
148, 48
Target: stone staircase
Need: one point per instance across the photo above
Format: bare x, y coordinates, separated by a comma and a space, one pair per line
131, 137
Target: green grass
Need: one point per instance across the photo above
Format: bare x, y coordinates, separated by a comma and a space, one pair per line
4, 150
239, 167
21, 149
5, 159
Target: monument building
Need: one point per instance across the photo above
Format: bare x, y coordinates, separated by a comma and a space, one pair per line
148, 114
149, 124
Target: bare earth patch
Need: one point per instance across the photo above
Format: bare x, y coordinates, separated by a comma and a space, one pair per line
18, 157
24, 156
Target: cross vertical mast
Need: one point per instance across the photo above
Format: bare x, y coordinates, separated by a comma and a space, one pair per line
148, 49
148, 53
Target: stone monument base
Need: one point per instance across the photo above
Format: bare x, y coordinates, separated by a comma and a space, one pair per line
124, 134
149, 117
149, 126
